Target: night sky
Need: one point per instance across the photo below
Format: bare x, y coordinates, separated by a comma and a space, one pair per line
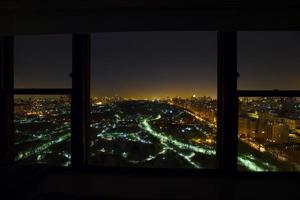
154, 64
269, 60
43, 61
159, 64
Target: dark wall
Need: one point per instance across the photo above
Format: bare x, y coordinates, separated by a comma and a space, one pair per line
34, 17
44, 17
138, 186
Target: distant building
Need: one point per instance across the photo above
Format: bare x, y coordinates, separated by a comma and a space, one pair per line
292, 123
266, 127
280, 133
187, 104
248, 127
19, 109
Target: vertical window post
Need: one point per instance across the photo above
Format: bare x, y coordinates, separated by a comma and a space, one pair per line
80, 98
228, 102
6, 99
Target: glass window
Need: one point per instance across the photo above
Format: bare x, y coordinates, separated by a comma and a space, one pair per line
269, 60
43, 61
154, 99
269, 134
42, 129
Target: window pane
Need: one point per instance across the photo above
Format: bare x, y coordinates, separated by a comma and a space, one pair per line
42, 129
269, 134
269, 60
154, 99
43, 61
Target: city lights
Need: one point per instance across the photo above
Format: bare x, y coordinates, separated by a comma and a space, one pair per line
172, 132
150, 132
268, 134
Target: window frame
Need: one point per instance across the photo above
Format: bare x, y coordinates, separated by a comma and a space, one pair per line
228, 95
266, 93
7, 93
226, 148
80, 103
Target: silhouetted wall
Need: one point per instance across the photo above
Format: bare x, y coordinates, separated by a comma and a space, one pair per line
53, 16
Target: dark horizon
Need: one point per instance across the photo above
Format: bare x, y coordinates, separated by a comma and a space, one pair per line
159, 64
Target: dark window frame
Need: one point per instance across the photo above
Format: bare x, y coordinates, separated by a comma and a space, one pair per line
228, 95
80, 103
226, 159
267, 93
7, 93
6, 100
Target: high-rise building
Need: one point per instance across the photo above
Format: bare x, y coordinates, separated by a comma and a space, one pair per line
280, 132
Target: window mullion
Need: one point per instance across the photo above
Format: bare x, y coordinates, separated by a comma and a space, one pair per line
6, 110
80, 98
227, 102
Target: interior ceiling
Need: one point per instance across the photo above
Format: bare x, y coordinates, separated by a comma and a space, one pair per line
94, 4
77, 16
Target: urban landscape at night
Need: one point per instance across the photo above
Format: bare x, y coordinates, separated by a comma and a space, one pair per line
269, 133
154, 100
160, 133
43, 129
154, 133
